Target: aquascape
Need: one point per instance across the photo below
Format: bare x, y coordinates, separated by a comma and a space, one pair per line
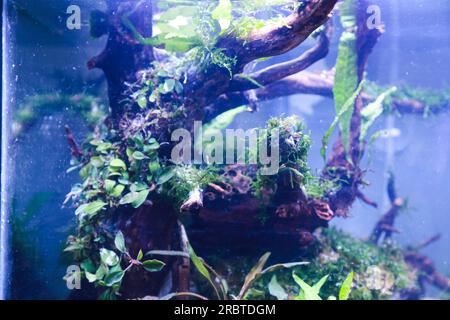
169, 204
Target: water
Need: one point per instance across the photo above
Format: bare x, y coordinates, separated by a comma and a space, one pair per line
47, 85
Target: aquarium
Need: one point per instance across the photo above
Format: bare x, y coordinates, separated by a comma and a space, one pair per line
225, 150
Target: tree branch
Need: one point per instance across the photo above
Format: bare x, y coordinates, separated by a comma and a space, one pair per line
282, 70
310, 83
123, 55
274, 40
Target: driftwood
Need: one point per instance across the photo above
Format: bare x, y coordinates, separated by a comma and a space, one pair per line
229, 215
427, 272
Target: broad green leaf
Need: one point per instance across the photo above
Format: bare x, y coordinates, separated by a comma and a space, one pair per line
344, 293
153, 265
169, 85
88, 266
74, 247
346, 78
154, 166
104, 146
371, 113
97, 162
140, 255
119, 242
90, 277
318, 286
348, 13
109, 185
218, 124
90, 209
117, 163
178, 44
117, 191
142, 102
152, 145
137, 155
276, 290
199, 265
306, 291
136, 199
223, 14
101, 272
166, 174
345, 108
109, 257
114, 278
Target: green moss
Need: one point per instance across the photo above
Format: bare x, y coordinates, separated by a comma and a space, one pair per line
189, 178
380, 272
434, 100
294, 146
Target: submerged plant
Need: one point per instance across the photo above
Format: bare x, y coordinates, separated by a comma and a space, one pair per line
131, 188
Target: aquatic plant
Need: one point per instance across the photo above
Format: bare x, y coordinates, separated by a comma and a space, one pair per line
134, 199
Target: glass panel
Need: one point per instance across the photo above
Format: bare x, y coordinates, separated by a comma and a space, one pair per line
138, 136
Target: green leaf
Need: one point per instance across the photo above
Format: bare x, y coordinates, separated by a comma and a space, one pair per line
349, 105
253, 275
109, 257
137, 155
371, 113
218, 124
90, 209
74, 247
119, 242
223, 14
344, 293
152, 145
154, 166
114, 278
348, 17
142, 102
140, 255
117, 191
280, 266
109, 185
90, 277
169, 85
97, 162
136, 199
153, 265
306, 291
318, 286
199, 265
276, 290
117, 163
346, 78
104, 146
88, 265
101, 272
179, 44
166, 174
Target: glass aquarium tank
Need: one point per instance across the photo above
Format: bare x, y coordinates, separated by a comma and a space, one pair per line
225, 149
